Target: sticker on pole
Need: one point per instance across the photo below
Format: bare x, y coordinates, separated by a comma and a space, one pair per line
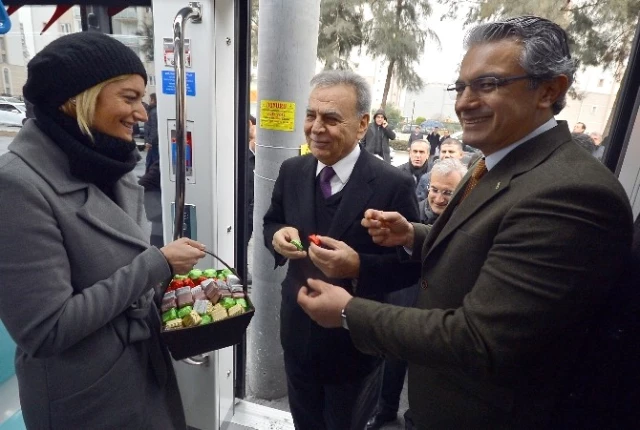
167, 52
277, 115
169, 82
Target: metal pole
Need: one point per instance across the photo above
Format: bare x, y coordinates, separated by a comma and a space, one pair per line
193, 13
287, 50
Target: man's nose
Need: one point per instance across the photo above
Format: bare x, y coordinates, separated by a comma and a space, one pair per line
467, 100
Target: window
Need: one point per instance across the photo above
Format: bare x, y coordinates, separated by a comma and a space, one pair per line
600, 83
594, 109
152, 80
65, 28
7, 81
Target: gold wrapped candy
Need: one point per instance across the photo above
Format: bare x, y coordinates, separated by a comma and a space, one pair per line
192, 319
218, 313
173, 324
236, 310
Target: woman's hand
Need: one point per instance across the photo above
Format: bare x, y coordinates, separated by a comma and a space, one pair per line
183, 254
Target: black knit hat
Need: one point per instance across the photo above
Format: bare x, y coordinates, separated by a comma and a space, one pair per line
74, 63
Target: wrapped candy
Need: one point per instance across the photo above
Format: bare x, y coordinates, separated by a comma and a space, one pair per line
169, 301
171, 314
211, 291
184, 297
200, 306
173, 324
218, 313
235, 310
227, 302
182, 312
197, 293
192, 319
243, 303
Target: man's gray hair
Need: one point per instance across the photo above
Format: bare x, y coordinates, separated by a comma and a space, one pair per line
545, 50
452, 141
332, 78
448, 166
421, 141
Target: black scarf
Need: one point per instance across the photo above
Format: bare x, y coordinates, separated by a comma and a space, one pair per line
101, 161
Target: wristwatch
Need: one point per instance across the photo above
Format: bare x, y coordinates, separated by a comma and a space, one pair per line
344, 320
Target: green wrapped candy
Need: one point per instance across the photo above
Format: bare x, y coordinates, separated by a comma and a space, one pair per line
171, 314
297, 244
206, 319
224, 273
180, 277
184, 311
243, 303
209, 273
194, 274
227, 302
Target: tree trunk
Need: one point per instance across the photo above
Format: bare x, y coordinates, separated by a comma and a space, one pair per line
288, 44
392, 63
387, 84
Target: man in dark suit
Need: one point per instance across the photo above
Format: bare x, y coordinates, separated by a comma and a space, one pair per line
332, 385
519, 262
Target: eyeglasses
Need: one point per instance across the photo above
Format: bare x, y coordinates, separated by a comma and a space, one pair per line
445, 193
484, 85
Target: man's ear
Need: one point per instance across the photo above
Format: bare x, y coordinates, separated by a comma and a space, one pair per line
364, 123
551, 90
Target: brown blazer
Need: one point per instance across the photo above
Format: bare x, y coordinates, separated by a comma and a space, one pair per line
509, 279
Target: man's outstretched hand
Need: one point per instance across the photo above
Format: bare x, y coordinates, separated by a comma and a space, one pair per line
324, 302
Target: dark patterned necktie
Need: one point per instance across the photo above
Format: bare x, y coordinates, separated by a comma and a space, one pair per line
478, 173
325, 180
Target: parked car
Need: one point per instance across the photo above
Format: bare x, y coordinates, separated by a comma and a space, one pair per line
13, 113
408, 128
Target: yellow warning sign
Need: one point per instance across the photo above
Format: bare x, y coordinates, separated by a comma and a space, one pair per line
277, 115
304, 149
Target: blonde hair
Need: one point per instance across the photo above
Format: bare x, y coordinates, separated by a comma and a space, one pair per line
83, 106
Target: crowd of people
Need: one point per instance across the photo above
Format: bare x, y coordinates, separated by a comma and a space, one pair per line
477, 272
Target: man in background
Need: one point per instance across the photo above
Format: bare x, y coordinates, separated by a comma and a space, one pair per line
449, 148
416, 134
418, 163
151, 133
579, 127
376, 140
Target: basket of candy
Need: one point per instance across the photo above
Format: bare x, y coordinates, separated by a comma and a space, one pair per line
203, 311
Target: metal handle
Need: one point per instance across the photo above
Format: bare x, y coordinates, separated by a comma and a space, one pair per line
193, 13
199, 360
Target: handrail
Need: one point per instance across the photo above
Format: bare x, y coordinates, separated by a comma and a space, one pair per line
192, 13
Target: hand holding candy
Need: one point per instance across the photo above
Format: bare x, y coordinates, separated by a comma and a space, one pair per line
334, 258
282, 243
183, 254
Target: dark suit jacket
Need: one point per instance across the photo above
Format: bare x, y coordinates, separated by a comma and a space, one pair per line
510, 278
329, 353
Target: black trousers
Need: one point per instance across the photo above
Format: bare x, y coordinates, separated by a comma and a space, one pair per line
344, 406
394, 370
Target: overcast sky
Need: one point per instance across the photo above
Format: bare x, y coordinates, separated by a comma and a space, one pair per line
441, 65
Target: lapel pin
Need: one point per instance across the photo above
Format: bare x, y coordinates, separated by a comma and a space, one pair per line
498, 185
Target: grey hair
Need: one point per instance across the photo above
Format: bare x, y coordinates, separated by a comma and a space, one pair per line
452, 141
545, 50
332, 78
423, 141
447, 166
